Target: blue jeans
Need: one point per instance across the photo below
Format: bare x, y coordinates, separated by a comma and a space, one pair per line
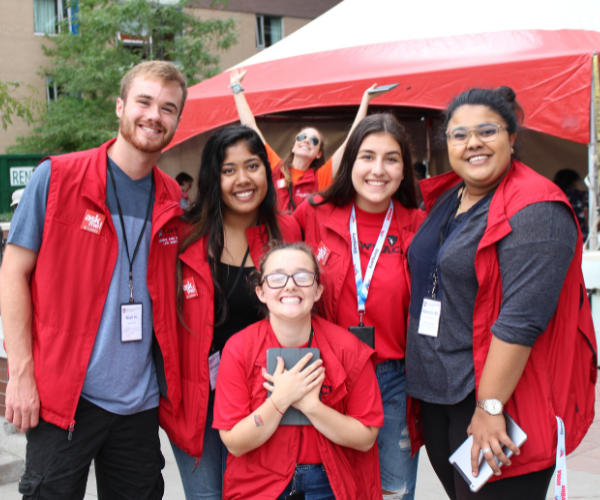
398, 470
312, 480
205, 481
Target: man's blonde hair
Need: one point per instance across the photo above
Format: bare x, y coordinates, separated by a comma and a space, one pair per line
161, 70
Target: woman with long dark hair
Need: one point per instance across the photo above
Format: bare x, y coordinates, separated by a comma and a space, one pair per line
360, 229
227, 230
499, 317
303, 171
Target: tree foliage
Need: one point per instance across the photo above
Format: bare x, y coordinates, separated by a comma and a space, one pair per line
14, 103
87, 67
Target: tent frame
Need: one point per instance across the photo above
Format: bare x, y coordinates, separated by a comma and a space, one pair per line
593, 162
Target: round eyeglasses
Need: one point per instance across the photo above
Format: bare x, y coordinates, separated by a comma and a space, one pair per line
314, 140
303, 279
485, 132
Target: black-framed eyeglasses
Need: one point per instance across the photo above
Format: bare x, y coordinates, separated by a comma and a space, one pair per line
303, 279
314, 140
485, 132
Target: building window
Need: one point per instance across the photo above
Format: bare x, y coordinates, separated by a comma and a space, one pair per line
51, 89
47, 15
269, 30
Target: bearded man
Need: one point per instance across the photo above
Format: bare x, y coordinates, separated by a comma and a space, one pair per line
85, 280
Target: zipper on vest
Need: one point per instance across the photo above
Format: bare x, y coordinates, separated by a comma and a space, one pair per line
196, 464
71, 429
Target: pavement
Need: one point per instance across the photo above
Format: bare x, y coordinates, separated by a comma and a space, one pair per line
583, 472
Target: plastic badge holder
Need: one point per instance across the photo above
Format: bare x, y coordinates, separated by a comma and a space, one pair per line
291, 356
461, 458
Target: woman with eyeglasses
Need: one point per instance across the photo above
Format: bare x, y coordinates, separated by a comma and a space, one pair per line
360, 229
227, 231
333, 457
499, 317
304, 170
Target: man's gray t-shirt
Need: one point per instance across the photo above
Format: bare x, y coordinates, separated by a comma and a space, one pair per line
121, 376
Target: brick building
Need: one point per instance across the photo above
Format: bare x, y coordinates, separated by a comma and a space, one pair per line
23, 24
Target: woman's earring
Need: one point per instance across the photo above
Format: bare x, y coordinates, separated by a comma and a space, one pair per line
512, 150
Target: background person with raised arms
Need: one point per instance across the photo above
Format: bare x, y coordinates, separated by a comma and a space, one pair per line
304, 170
87, 271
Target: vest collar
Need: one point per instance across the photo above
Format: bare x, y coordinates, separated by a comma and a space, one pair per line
196, 255
94, 186
338, 218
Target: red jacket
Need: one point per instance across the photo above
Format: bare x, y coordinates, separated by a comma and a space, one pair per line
329, 224
185, 424
307, 185
72, 276
560, 376
353, 475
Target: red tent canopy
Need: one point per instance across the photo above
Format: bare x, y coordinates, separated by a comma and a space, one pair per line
549, 70
435, 49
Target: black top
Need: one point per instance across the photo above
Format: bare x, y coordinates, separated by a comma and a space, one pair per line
242, 305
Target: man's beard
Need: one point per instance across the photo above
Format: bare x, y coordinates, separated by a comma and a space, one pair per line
127, 129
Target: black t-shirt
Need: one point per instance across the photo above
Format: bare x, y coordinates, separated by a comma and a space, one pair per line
242, 306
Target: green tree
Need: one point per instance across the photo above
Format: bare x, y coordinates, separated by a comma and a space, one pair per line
87, 67
13, 103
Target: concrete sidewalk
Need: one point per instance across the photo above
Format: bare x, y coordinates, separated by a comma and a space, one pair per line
583, 472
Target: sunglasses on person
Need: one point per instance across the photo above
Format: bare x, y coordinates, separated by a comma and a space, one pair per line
485, 132
314, 140
303, 279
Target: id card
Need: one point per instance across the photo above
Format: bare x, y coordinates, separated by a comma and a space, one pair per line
131, 322
213, 369
429, 322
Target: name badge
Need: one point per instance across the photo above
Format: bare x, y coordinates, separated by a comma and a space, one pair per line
281, 184
429, 322
213, 369
189, 288
131, 322
93, 222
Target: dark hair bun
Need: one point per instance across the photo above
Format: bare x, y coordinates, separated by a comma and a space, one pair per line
507, 94
510, 97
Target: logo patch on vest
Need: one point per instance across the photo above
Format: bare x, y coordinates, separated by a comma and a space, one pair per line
189, 288
93, 222
322, 254
168, 236
281, 184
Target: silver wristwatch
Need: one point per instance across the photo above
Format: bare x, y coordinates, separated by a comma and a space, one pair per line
492, 406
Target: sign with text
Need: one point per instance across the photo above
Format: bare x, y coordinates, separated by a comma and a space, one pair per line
19, 176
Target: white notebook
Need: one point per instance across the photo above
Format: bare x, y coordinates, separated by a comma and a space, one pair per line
461, 458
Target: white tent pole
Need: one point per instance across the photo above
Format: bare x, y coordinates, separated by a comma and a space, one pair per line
592, 179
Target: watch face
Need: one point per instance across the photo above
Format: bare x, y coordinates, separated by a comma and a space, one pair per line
493, 406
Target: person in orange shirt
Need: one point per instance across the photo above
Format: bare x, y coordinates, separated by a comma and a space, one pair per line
304, 170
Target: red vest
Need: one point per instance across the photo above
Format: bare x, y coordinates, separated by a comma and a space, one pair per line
560, 376
329, 224
185, 425
307, 185
264, 473
72, 276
